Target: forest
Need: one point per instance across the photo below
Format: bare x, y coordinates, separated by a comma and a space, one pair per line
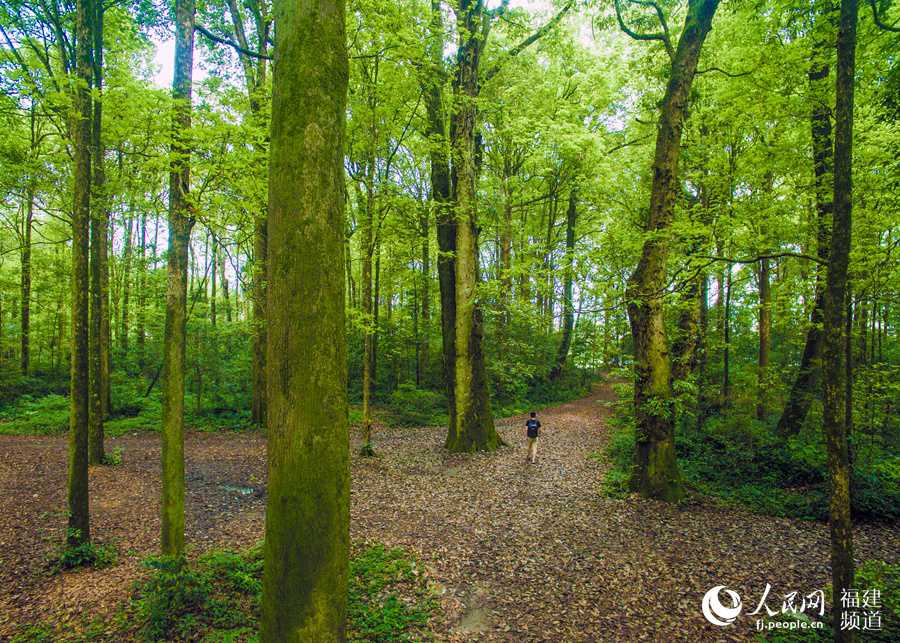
285, 284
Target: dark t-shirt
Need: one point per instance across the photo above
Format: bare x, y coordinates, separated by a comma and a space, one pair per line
532, 425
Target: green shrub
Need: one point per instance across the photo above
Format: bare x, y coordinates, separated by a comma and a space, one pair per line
84, 555
217, 598
47, 415
411, 406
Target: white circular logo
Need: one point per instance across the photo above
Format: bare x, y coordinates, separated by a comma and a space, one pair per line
715, 612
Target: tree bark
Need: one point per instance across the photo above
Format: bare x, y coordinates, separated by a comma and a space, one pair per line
99, 231
180, 223
307, 510
568, 324
834, 419
77, 484
260, 244
656, 472
474, 428
25, 320
142, 297
765, 332
804, 388
127, 254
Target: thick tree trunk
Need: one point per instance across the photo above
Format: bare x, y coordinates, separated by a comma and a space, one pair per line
77, 485
307, 510
568, 323
432, 85
804, 388
656, 469
474, 428
180, 223
834, 419
765, 332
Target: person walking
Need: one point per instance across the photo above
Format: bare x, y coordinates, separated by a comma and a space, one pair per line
532, 426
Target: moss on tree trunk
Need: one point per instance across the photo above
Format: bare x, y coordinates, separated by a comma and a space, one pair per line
307, 510
180, 224
655, 471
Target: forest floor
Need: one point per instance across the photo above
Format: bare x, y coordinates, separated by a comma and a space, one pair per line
517, 551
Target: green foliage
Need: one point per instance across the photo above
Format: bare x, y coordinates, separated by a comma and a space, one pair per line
113, 458
48, 415
764, 473
410, 406
87, 554
217, 597
389, 598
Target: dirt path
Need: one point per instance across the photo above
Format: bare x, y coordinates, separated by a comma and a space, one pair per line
520, 552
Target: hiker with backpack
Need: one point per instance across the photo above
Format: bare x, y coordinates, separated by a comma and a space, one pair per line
532, 427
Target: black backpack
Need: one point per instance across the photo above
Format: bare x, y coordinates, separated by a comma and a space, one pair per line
532, 426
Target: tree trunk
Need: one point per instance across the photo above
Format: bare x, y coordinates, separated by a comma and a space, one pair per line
142, 298
568, 305
474, 428
656, 472
180, 223
368, 248
99, 231
260, 244
834, 419
424, 295
307, 510
765, 332
212, 283
25, 321
684, 347
726, 338
223, 279
127, 253
441, 198
77, 484
804, 388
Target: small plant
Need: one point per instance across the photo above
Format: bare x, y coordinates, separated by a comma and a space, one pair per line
169, 597
84, 555
113, 458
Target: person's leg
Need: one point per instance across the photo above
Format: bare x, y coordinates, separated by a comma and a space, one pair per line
532, 449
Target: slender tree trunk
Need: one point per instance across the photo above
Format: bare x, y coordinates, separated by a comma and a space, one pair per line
804, 388
702, 351
127, 253
25, 320
142, 298
834, 419
656, 469
212, 285
368, 248
223, 279
259, 374
726, 338
99, 231
77, 485
424, 296
180, 223
307, 510
568, 324
684, 348
765, 332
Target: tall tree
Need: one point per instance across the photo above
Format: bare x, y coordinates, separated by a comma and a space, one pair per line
99, 242
834, 419
181, 220
804, 388
79, 514
307, 511
656, 469
568, 323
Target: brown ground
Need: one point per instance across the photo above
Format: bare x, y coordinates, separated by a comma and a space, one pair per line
519, 552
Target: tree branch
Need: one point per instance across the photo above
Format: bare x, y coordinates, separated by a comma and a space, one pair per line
530, 40
878, 21
662, 37
224, 41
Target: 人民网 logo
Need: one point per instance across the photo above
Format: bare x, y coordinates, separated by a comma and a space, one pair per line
715, 612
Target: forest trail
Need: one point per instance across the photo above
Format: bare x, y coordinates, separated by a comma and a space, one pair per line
520, 552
